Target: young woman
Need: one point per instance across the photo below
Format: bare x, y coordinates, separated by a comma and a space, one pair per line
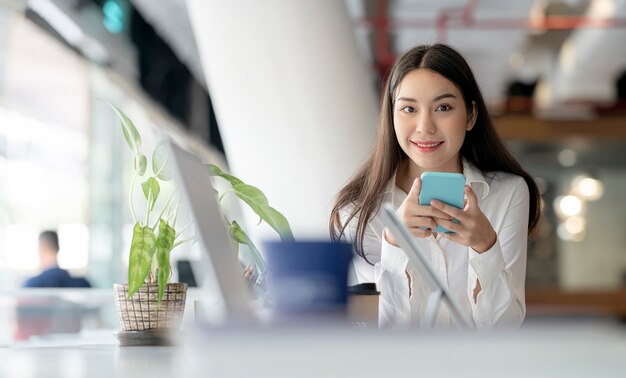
433, 119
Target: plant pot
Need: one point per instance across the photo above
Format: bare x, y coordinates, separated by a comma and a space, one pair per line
141, 312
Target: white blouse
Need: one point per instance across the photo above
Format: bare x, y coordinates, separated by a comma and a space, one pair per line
504, 199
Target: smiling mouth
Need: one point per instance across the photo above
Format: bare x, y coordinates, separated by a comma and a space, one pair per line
427, 146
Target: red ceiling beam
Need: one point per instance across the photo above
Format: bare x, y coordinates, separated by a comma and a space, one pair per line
382, 39
465, 15
547, 23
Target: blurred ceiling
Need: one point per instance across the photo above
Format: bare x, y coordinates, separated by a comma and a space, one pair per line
566, 56
569, 54
561, 59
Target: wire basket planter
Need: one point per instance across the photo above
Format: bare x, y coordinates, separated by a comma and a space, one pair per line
141, 312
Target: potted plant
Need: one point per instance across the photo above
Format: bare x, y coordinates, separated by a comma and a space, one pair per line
149, 303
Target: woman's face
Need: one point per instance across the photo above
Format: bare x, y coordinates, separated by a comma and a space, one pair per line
430, 121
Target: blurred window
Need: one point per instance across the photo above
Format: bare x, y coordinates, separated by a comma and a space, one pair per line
44, 148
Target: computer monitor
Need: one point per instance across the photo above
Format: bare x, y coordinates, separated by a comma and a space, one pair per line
218, 266
439, 290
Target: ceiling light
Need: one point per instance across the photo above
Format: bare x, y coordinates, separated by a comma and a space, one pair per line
568, 206
567, 157
588, 188
602, 9
564, 234
575, 225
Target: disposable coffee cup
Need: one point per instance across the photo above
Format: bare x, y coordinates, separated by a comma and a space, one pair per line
363, 305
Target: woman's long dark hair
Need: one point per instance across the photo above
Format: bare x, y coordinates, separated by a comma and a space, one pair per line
482, 146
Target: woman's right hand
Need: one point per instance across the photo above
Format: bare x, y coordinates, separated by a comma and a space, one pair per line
414, 215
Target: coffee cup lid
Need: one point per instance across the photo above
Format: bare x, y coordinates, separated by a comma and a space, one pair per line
368, 288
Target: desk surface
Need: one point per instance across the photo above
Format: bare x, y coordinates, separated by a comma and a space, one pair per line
564, 349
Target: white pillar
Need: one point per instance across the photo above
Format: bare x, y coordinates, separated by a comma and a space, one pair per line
293, 97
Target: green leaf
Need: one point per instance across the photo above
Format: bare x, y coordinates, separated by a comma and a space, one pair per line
141, 253
151, 190
130, 131
160, 158
242, 238
215, 171
164, 244
257, 201
259, 204
141, 163
133, 139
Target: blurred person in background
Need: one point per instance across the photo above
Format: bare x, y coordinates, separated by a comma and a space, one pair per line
52, 275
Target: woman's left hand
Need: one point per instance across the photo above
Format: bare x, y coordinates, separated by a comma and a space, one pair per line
474, 229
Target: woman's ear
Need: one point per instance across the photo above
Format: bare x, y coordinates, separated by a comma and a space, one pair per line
471, 118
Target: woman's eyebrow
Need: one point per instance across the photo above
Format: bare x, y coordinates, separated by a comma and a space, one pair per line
441, 97
407, 99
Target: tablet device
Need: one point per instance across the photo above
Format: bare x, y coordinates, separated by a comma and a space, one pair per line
440, 290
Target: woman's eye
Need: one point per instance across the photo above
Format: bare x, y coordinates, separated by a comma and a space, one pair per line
408, 109
443, 108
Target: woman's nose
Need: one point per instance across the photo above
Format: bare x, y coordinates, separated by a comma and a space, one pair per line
425, 124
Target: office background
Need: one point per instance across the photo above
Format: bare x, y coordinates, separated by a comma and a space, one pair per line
292, 87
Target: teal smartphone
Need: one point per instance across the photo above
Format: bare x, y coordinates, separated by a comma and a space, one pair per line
443, 186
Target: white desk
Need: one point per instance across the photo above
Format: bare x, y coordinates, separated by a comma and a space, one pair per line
94, 361
573, 349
